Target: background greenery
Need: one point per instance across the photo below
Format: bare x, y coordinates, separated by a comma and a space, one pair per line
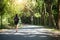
25, 9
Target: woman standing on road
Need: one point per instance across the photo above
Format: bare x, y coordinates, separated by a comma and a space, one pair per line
16, 20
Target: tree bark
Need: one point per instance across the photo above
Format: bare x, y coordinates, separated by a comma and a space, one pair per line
48, 7
58, 20
1, 21
43, 21
44, 14
50, 17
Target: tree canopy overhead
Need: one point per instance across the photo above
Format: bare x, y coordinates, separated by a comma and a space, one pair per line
41, 10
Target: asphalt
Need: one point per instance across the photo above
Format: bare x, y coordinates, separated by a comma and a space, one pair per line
28, 32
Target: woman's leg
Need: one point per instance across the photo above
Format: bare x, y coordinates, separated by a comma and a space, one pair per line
16, 28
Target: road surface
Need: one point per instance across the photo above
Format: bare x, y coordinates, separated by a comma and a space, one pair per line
28, 32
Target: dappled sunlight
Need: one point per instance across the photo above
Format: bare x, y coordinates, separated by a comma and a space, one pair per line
35, 35
31, 26
43, 36
29, 33
26, 34
20, 3
30, 36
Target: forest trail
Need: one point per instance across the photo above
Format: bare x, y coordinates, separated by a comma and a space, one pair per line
28, 32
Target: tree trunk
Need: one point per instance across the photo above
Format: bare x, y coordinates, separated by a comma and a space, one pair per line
1, 21
51, 17
43, 21
32, 20
58, 20
44, 14
48, 7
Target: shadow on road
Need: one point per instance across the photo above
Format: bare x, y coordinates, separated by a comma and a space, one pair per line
28, 32
27, 37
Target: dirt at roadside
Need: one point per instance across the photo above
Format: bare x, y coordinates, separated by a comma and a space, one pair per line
55, 33
2, 30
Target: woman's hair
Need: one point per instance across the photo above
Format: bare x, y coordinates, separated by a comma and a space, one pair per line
16, 15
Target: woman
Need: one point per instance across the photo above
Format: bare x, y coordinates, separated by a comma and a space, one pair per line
16, 20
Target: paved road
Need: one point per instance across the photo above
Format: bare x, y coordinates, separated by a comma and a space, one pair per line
28, 32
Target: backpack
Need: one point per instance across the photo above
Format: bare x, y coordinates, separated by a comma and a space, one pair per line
16, 19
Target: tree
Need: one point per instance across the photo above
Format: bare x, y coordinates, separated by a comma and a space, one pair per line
40, 9
51, 20
58, 20
2, 6
44, 13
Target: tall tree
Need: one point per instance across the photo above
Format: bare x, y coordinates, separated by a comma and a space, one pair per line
44, 14
2, 5
49, 10
58, 20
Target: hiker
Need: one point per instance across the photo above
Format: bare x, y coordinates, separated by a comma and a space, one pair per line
16, 20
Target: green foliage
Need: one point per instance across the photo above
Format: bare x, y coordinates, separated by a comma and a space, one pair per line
8, 9
37, 15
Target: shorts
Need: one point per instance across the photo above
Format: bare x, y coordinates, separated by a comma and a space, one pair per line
16, 22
